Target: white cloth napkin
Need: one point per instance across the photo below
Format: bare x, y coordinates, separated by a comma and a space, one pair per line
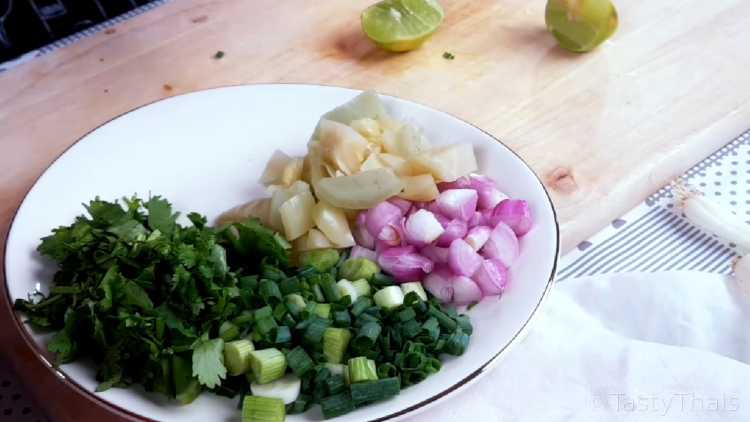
670, 346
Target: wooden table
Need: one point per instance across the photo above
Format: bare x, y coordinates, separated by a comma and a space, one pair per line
603, 130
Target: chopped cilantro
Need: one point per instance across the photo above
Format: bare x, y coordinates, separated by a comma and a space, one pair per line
448, 56
218, 55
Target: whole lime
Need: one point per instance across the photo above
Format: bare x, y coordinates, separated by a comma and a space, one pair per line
581, 25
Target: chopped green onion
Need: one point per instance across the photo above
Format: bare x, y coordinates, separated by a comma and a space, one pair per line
237, 356
432, 365
360, 305
299, 361
366, 336
283, 335
244, 318
267, 365
372, 391
228, 331
337, 405
300, 405
410, 328
263, 409
269, 291
313, 336
456, 343
323, 310
318, 292
389, 297
320, 259
362, 369
465, 323
387, 370
289, 285
279, 312
362, 287
430, 331
407, 314
335, 341
415, 287
264, 327
264, 312
336, 384
382, 280
295, 303
358, 268
330, 289
335, 368
346, 288
413, 361
341, 319
187, 387
443, 319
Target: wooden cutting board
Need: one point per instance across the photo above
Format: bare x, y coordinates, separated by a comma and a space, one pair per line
603, 130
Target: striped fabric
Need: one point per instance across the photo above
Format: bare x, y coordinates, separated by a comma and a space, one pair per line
80, 35
655, 236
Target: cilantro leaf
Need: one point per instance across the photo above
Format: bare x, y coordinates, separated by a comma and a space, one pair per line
256, 241
208, 362
160, 216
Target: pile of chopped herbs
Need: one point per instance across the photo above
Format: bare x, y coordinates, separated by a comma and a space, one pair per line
185, 309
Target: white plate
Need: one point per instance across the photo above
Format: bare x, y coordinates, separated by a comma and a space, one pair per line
204, 152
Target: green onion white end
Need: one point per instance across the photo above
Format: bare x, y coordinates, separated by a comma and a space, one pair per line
389, 297
415, 287
267, 365
285, 388
237, 356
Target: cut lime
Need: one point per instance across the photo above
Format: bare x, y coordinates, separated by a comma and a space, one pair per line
401, 25
581, 25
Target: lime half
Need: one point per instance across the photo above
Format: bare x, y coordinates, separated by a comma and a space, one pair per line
401, 25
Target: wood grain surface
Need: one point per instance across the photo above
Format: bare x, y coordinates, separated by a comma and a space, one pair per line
603, 130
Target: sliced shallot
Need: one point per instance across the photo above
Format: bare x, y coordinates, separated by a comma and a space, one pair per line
436, 254
458, 203
491, 277
463, 259
502, 245
454, 229
440, 284
478, 236
382, 215
422, 228
404, 264
465, 291
515, 213
360, 252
